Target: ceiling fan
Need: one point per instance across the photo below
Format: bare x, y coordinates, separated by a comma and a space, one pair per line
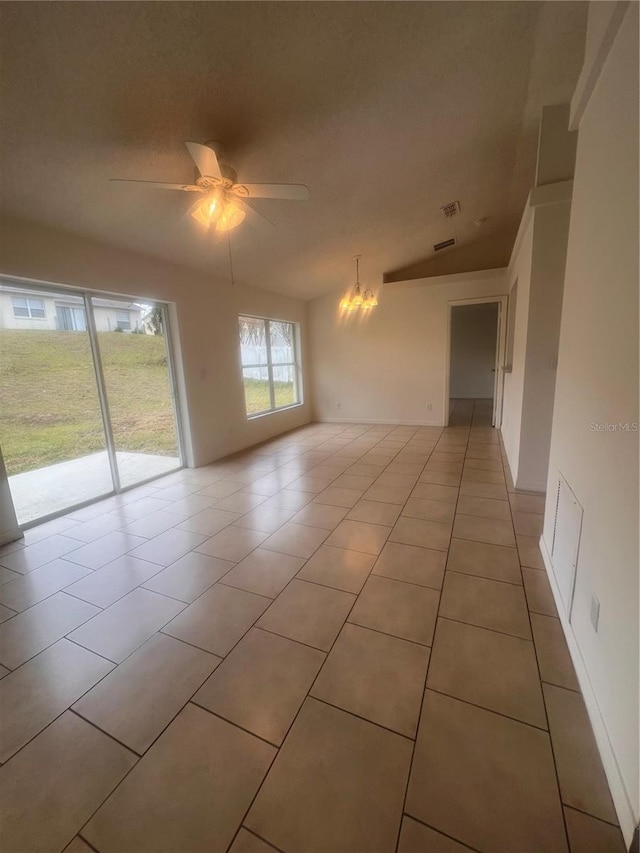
223, 205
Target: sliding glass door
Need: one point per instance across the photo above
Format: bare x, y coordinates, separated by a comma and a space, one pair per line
136, 367
87, 403
51, 427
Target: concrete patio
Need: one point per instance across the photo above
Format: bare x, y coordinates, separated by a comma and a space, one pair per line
47, 490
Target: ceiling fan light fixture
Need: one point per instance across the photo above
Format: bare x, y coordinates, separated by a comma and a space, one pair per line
211, 208
221, 205
232, 216
217, 211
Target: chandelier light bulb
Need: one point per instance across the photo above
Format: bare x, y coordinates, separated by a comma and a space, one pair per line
356, 298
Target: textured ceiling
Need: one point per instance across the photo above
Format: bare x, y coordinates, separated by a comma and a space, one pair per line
385, 110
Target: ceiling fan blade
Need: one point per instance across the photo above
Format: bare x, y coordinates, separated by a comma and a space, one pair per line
252, 215
157, 185
205, 159
295, 192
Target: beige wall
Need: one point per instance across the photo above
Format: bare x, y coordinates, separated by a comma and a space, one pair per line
597, 382
206, 310
390, 364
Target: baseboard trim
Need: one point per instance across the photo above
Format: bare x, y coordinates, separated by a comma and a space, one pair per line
619, 794
538, 488
374, 421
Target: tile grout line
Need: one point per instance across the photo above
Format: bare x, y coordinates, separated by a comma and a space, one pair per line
440, 832
104, 732
426, 675
252, 832
544, 701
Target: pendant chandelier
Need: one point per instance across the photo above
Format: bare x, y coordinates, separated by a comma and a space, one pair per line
356, 297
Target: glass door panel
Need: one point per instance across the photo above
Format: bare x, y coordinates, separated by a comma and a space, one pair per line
283, 359
51, 426
137, 378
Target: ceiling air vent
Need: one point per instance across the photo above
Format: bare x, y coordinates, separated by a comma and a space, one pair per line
451, 209
445, 244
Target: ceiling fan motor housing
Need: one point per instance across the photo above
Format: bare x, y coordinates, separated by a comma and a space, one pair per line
229, 175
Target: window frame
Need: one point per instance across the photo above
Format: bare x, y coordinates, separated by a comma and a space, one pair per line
269, 365
28, 308
122, 324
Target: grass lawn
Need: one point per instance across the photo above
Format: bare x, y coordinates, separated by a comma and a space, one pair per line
256, 395
49, 410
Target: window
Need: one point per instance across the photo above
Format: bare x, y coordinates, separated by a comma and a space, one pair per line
269, 364
70, 319
23, 307
123, 321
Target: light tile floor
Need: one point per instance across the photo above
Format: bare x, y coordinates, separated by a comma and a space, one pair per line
342, 641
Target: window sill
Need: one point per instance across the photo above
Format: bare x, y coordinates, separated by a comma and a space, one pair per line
274, 411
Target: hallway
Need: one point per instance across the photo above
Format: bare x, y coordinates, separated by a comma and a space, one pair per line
343, 640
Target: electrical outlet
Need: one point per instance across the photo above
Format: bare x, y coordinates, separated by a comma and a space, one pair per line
595, 612
429, 407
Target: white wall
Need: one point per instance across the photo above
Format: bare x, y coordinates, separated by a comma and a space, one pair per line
597, 382
519, 271
107, 318
206, 310
474, 337
551, 227
9, 321
9, 529
537, 264
391, 363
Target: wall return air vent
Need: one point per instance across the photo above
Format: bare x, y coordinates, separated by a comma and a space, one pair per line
444, 245
451, 209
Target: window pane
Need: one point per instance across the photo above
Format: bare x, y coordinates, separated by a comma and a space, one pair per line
138, 385
36, 308
282, 343
253, 344
20, 307
256, 389
284, 389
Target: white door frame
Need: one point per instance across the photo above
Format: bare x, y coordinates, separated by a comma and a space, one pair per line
501, 344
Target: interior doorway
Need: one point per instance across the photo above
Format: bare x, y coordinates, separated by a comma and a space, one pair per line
476, 354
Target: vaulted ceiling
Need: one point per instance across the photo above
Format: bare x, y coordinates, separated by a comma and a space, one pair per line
386, 110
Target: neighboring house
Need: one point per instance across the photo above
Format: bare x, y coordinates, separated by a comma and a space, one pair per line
28, 309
